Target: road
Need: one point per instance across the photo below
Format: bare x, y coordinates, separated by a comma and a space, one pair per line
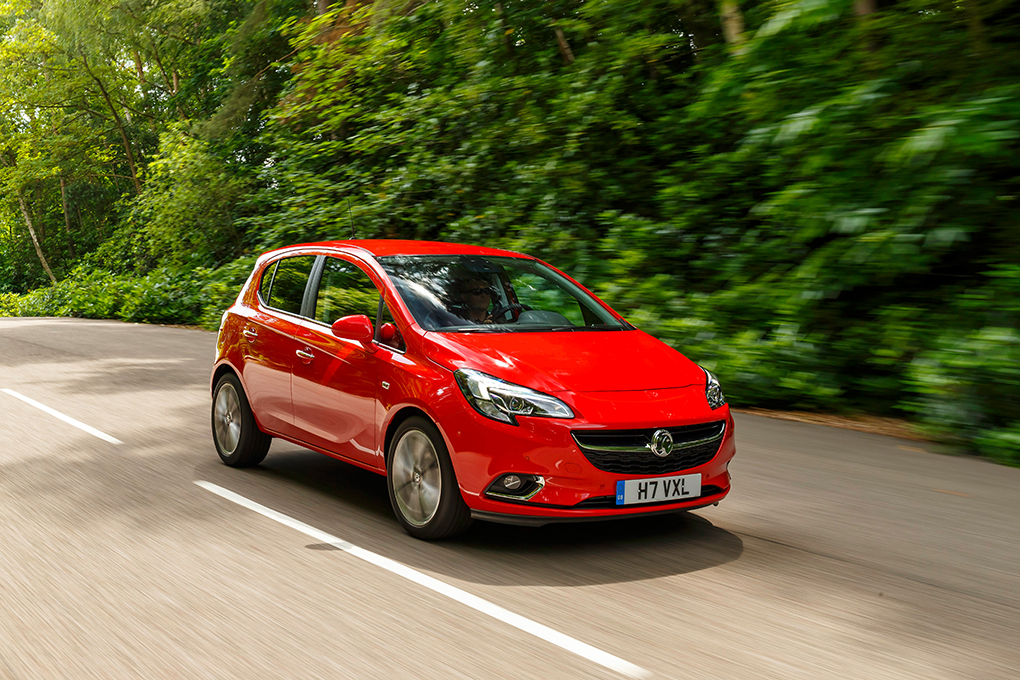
838, 554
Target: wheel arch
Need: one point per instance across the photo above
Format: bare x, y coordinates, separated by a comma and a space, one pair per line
225, 368
399, 417
222, 370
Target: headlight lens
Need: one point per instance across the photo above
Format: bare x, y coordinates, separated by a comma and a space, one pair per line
713, 390
501, 400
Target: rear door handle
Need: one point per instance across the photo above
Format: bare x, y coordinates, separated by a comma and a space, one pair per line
305, 356
249, 333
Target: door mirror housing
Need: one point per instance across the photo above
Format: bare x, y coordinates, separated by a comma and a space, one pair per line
354, 327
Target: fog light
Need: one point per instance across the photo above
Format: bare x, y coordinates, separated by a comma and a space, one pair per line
515, 487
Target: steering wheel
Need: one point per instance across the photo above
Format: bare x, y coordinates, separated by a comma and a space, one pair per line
502, 310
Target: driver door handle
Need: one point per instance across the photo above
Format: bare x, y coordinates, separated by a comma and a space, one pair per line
249, 333
304, 356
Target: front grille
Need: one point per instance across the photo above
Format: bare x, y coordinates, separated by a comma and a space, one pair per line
626, 452
602, 502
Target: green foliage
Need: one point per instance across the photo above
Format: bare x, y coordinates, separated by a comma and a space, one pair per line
195, 297
966, 387
186, 214
219, 289
823, 212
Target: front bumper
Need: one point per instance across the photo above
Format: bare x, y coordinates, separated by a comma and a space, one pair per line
530, 520
482, 450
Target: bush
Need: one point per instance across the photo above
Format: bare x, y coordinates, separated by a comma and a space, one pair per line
966, 391
162, 296
220, 289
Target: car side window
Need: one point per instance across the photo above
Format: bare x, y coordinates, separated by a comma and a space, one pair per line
388, 333
288, 287
344, 289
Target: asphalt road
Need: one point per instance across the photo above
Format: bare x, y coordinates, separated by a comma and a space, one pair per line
838, 554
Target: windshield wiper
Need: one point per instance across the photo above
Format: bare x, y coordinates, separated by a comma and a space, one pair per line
600, 327
525, 328
475, 329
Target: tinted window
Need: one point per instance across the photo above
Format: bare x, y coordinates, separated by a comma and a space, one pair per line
289, 283
469, 293
344, 290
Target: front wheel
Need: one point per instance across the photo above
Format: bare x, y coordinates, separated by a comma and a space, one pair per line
422, 485
239, 441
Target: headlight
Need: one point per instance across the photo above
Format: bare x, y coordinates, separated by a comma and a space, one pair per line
501, 400
713, 390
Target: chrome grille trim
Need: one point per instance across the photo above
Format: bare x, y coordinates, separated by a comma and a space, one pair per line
628, 451
583, 438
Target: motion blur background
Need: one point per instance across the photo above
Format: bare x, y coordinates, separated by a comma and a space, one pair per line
817, 199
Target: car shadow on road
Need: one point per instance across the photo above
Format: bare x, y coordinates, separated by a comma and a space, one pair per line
572, 554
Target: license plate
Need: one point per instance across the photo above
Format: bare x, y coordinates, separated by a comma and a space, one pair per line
657, 489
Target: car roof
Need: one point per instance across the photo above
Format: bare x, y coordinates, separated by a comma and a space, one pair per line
386, 247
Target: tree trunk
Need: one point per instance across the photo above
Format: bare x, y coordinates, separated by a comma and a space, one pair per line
159, 65
568, 55
35, 241
119, 123
67, 218
865, 7
138, 66
732, 20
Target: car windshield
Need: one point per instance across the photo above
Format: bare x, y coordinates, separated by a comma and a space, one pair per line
474, 294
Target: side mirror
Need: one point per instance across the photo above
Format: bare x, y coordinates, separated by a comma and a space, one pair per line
390, 336
354, 327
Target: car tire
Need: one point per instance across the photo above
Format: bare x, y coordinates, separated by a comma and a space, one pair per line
239, 441
421, 482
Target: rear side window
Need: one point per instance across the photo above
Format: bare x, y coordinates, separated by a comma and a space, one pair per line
344, 290
288, 284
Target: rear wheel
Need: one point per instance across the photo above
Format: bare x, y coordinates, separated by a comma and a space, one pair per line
239, 441
422, 485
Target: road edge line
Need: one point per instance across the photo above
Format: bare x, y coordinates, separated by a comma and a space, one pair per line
60, 416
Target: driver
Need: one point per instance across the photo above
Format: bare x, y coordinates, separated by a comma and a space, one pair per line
475, 296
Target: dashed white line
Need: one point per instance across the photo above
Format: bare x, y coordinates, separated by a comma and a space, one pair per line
60, 416
478, 604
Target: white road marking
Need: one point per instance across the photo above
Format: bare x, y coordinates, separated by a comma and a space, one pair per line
484, 606
60, 416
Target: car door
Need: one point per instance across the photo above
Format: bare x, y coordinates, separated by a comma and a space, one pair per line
334, 380
270, 331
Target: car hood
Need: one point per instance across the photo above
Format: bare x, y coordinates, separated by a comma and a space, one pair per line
568, 361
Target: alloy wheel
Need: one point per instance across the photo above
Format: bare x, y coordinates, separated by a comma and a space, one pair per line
417, 478
227, 420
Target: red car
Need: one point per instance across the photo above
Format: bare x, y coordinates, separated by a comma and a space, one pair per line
483, 383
